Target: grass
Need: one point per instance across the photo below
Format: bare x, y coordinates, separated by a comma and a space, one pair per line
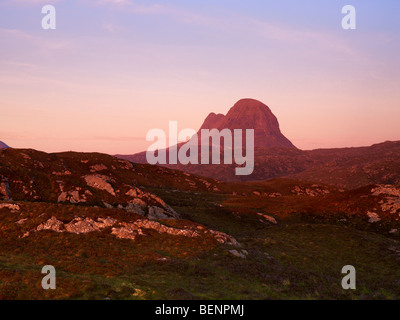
299, 258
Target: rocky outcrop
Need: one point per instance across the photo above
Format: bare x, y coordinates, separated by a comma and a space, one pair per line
100, 182
160, 228
223, 238
5, 193
129, 230
391, 198
134, 192
98, 167
314, 191
373, 217
10, 206
157, 213
388, 190
73, 196
52, 224
268, 218
140, 205
80, 225
239, 254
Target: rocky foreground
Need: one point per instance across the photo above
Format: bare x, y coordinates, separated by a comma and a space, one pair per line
114, 229
90, 180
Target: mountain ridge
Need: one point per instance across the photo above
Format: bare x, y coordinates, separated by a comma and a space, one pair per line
3, 145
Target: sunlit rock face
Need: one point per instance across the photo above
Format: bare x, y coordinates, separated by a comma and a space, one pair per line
251, 114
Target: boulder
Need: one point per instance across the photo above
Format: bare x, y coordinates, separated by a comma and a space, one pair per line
100, 182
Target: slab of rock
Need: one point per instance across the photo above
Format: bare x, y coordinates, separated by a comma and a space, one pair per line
11, 206
223, 238
373, 217
52, 224
147, 224
100, 182
98, 167
21, 221
391, 201
79, 225
237, 254
268, 218
129, 230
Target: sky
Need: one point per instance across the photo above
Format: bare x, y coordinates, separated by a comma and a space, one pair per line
115, 69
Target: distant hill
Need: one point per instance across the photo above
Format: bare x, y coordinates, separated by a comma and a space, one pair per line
3, 145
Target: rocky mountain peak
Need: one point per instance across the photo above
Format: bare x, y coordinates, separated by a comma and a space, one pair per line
251, 114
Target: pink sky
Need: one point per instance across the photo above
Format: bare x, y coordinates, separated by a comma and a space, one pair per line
120, 68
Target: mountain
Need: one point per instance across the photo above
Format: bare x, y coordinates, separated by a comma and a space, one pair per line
251, 114
275, 156
3, 145
245, 114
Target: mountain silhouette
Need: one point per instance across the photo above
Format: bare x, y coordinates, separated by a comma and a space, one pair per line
251, 114
245, 114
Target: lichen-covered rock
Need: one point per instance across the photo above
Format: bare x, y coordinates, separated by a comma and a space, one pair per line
223, 237
98, 167
134, 192
21, 221
373, 217
100, 182
127, 231
387, 190
275, 195
314, 191
10, 206
130, 230
124, 164
391, 194
268, 218
238, 254
147, 224
79, 225
52, 224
